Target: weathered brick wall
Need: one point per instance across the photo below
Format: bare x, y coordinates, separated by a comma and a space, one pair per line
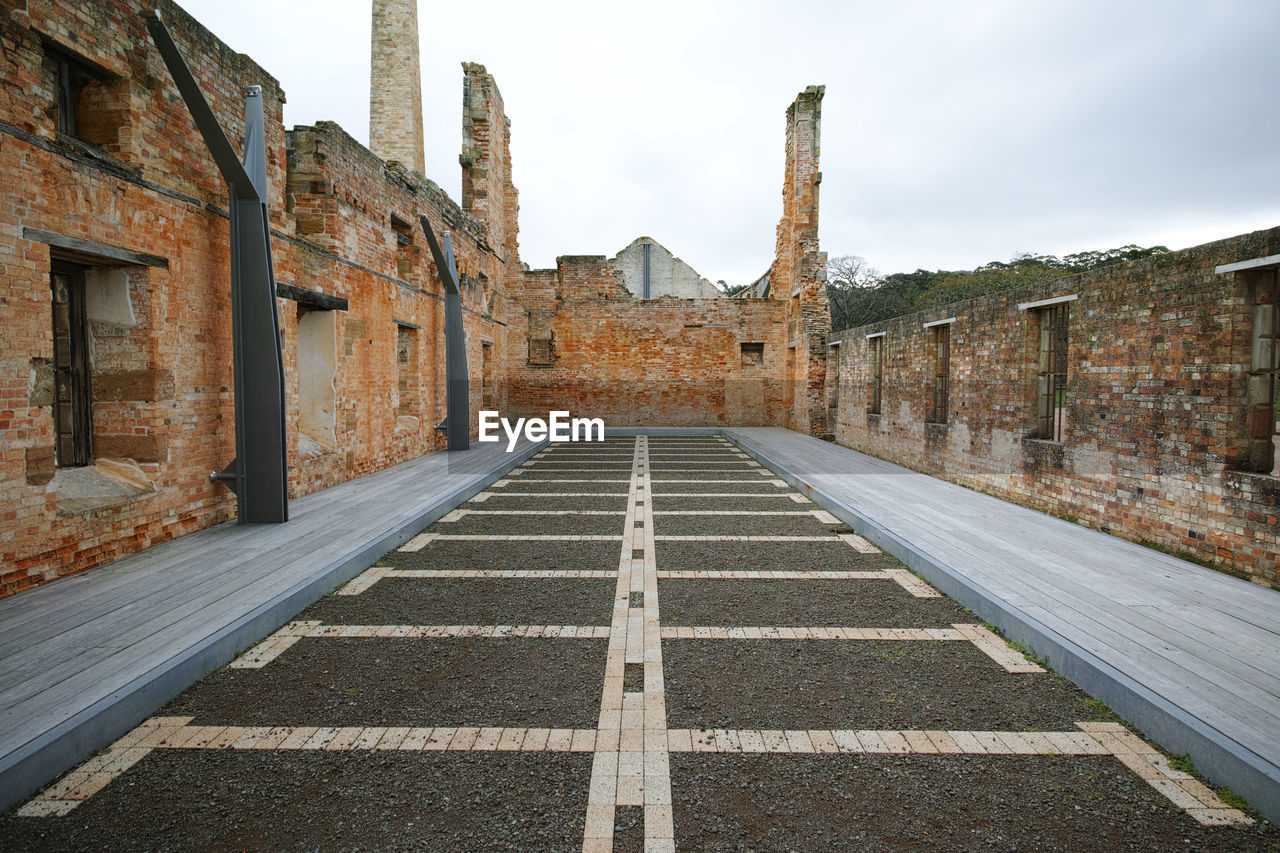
663, 362
1155, 404
488, 192
162, 369
800, 269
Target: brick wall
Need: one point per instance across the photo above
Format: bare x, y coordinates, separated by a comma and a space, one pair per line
163, 410
800, 268
584, 344
363, 324
1154, 427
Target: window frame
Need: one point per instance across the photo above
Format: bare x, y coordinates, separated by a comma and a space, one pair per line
73, 371
1261, 408
1052, 371
875, 382
940, 370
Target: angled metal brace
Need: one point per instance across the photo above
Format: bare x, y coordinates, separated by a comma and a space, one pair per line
457, 421
258, 475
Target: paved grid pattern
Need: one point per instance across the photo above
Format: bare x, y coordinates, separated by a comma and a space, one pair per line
632, 744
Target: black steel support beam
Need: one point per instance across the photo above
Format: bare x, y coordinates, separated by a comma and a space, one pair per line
458, 391
258, 473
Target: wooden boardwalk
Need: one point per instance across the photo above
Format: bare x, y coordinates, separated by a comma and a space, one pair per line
1188, 654
85, 659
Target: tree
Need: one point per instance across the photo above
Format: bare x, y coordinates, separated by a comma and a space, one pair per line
860, 296
856, 293
731, 289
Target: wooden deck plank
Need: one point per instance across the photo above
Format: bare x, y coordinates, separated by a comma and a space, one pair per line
182, 557
66, 646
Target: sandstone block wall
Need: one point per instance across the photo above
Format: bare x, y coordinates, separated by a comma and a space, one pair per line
395, 85
1155, 405
668, 275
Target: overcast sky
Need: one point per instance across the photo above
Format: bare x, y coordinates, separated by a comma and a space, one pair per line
952, 134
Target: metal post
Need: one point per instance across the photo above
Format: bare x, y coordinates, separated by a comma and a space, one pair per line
457, 422
258, 475
646, 289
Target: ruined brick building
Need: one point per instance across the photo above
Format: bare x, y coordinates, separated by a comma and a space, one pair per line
1118, 399
116, 395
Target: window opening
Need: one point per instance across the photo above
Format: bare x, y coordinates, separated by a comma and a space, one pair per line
876, 382
941, 358
1264, 373
72, 403
1051, 380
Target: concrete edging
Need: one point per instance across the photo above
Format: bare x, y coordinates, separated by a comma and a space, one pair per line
27, 769
1218, 757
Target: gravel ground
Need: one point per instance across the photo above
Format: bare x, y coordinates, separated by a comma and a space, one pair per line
520, 484
499, 501
663, 475
932, 803
471, 601
847, 604
789, 556
781, 501
304, 801
572, 472
463, 554
542, 525
870, 684
628, 829
760, 485
750, 525
408, 682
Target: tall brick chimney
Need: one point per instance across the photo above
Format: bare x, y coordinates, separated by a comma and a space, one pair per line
395, 85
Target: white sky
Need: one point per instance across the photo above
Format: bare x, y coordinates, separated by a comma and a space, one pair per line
953, 133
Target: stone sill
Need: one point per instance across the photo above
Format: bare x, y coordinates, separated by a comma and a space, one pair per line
1255, 478
106, 484
1047, 442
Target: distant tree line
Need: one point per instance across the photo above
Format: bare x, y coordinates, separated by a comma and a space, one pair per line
859, 295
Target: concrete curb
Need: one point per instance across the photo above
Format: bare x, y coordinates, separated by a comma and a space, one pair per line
38, 762
1217, 757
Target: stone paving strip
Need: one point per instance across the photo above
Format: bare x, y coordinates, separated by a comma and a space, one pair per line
279, 642
523, 537
777, 483
1096, 738
176, 733
903, 577
560, 479
982, 638
631, 764
855, 541
459, 514
484, 496
795, 496
371, 576
420, 541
